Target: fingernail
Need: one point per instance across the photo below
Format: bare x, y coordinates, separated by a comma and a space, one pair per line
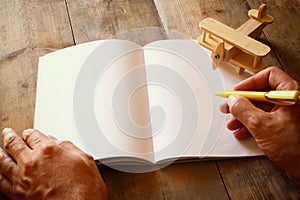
6, 131
7, 135
28, 131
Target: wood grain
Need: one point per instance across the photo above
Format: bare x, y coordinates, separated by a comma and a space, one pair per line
184, 15
94, 20
284, 34
197, 180
123, 185
26, 24
256, 178
29, 29
18, 86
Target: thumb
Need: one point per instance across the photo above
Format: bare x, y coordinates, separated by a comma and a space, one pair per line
250, 116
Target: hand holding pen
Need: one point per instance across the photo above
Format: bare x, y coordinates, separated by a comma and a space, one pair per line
276, 128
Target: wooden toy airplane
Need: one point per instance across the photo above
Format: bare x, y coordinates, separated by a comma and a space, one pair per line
239, 46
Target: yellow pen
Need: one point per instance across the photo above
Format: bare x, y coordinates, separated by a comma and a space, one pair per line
278, 97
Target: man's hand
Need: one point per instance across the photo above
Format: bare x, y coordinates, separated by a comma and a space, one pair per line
41, 167
276, 129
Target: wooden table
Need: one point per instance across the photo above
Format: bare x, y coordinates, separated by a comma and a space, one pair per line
32, 28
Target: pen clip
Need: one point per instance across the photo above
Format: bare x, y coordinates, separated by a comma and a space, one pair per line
285, 97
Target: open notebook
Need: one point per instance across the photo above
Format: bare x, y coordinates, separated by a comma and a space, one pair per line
121, 102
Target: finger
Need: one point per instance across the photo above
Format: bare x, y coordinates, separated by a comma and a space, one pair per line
34, 138
72, 148
263, 105
8, 167
242, 133
224, 108
68, 145
52, 137
270, 78
6, 186
249, 115
15, 145
234, 124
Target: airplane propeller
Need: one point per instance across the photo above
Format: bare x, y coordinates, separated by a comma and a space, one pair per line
218, 54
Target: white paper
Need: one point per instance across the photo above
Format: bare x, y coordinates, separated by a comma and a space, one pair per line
66, 78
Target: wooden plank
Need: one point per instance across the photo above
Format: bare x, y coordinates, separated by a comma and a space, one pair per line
95, 20
196, 180
252, 28
28, 29
284, 33
18, 86
122, 185
256, 178
31, 23
184, 15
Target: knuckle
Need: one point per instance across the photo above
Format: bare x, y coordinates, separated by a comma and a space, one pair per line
257, 122
7, 164
296, 85
25, 188
254, 123
273, 68
49, 148
246, 114
87, 157
65, 143
27, 133
2, 156
34, 139
9, 141
235, 105
19, 191
1, 177
13, 142
290, 85
71, 147
31, 135
5, 161
29, 166
68, 145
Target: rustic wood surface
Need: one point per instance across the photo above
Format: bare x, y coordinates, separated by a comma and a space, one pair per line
32, 28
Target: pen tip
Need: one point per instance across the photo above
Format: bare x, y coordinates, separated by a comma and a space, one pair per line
220, 94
